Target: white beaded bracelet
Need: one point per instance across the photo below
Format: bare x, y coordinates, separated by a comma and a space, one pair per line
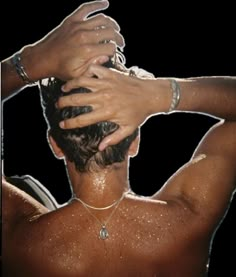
175, 96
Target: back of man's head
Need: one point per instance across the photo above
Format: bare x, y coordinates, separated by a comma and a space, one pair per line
80, 145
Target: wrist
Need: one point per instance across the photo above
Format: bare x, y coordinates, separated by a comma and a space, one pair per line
33, 63
160, 95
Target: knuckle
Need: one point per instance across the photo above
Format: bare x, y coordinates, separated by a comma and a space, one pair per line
83, 8
108, 112
111, 32
82, 36
78, 121
87, 50
102, 18
107, 96
91, 67
112, 47
74, 74
82, 50
74, 99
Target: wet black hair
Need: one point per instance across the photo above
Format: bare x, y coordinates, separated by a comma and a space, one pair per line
80, 145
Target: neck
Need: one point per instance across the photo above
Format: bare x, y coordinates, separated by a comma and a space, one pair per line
101, 187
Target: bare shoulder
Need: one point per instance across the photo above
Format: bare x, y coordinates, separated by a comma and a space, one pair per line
205, 185
17, 204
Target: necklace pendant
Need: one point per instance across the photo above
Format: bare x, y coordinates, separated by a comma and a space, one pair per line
103, 234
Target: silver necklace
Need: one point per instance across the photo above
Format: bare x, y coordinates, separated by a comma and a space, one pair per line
74, 197
103, 233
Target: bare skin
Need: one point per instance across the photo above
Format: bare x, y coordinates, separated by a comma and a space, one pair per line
116, 92
168, 234
141, 241
67, 50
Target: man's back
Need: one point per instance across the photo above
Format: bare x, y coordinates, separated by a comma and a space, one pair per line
146, 238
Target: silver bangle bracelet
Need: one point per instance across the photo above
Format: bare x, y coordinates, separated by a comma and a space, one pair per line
16, 61
175, 96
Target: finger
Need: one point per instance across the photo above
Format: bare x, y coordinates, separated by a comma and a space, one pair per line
91, 51
100, 60
115, 138
96, 60
97, 70
77, 99
87, 8
106, 34
99, 21
83, 81
83, 120
100, 35
103, 49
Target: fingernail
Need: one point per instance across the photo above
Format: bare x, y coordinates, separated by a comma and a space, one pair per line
104, 1
63, 88
103, 59
102, 146
62, 124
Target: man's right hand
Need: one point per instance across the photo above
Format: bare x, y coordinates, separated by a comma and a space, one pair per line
116, 97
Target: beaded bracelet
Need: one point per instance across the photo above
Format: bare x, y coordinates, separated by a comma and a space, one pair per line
175, 96
16, 61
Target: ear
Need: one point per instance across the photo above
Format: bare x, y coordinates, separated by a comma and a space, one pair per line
55, 149
134, 147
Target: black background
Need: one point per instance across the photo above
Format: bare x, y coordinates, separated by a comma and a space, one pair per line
163, 38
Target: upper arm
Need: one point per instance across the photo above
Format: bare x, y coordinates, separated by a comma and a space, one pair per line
207, 182
17, 206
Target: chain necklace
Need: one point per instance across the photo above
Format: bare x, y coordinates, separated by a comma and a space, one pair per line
103, 233
96, 208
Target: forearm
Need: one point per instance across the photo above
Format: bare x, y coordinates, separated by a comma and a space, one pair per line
11, 82
211, 95
66, 51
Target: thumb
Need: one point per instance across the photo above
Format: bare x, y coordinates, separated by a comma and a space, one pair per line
84, 69
100, 60
97, 60
97, 70
114, 138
